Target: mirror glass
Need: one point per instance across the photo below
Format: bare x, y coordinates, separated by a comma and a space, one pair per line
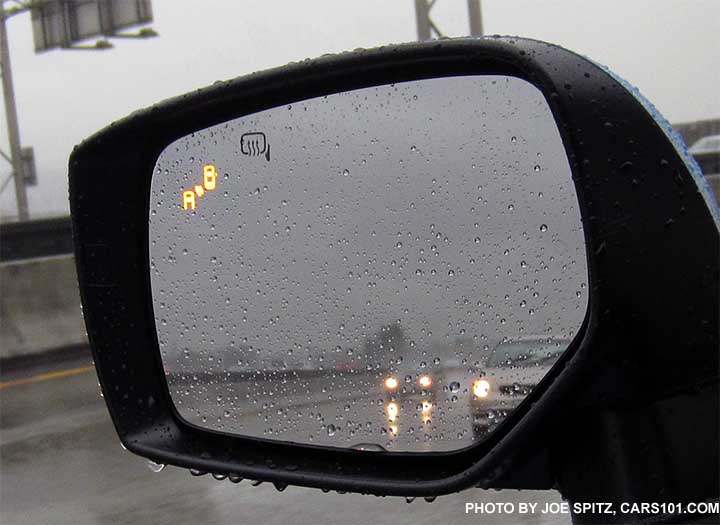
391, 268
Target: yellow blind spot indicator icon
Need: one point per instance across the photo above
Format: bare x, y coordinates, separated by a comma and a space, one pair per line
209, 177
189, 197
188, 200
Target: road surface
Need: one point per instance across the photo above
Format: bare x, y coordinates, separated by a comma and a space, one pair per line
61, 462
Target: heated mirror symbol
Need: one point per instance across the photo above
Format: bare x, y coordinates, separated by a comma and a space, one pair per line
255, 143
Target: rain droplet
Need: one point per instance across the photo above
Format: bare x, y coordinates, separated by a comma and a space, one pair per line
155, 467
369, 447
543, 227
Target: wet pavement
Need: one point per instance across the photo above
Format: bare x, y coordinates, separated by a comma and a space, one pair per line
344, 409
61, 462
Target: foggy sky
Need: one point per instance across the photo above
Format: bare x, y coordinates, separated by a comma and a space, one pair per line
667, 48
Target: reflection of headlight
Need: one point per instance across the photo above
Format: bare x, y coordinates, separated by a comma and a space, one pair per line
425, 381
391, 383
392, 411
426, 411
481, 388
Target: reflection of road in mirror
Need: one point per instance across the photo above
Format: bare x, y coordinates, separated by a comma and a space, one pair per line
435, 409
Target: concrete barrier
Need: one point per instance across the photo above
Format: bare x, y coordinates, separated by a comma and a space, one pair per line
39, 306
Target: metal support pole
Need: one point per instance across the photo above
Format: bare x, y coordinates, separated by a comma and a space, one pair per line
475, 16
422, 15
12, 122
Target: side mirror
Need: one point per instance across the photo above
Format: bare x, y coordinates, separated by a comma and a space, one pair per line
405, 271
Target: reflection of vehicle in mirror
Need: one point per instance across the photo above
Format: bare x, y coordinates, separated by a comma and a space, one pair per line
409, 390
512, 371
408, 385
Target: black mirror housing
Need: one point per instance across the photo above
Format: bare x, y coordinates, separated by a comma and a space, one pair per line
650, 336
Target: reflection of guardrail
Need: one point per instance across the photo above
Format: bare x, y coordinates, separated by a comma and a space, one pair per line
186, 378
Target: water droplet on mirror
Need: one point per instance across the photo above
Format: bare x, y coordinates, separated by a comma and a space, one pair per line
369, 447
454, 387
155, 467
331, 430
543, 227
